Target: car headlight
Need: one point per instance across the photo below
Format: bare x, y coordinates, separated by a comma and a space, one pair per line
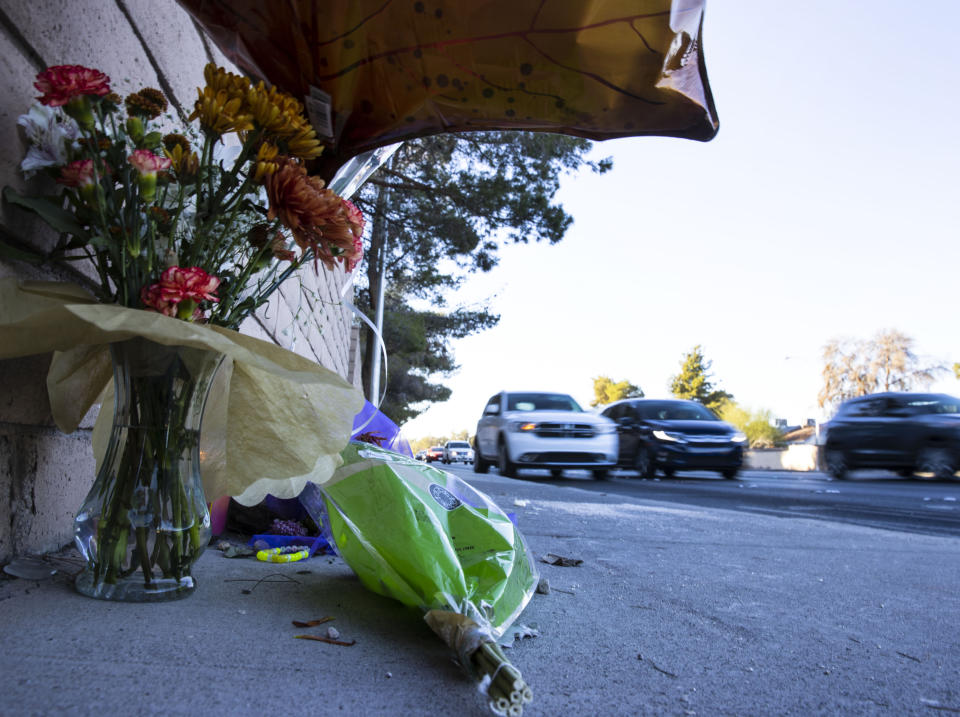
606, 428
738, 437
522, 426
672, 437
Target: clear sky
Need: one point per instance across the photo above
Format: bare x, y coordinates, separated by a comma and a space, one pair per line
826, 207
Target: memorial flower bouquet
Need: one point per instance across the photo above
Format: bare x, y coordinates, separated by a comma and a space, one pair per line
199, 225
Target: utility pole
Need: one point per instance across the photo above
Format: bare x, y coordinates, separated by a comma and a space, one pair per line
378, 242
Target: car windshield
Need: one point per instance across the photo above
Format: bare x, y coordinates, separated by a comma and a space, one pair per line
675, 411
542, 402
458, 444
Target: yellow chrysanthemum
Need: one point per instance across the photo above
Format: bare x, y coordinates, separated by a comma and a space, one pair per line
304, 144
266, 161
281, 117
275, 111
184, 163
219, 79
219, 113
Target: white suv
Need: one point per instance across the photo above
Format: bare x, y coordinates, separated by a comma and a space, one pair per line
528, 429
457, 452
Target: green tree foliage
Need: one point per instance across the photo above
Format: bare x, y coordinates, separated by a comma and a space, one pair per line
859, 367
694, 382
606, 390
756, 425
438, 212
956, 370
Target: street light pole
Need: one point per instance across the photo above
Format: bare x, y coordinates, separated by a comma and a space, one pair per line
381, 286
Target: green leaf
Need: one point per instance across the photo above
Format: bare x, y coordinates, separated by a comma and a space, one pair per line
99, 241
47, 209
8, 251
153, 139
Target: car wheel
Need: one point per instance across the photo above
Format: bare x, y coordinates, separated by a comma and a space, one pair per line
936, 460
479, 464
507, 468
730, 473
643, 463
601, 473
668, 472
837, 463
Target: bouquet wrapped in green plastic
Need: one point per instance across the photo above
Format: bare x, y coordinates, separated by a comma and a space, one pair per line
428, 539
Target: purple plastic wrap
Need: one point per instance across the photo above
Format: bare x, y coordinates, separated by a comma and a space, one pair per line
372, 421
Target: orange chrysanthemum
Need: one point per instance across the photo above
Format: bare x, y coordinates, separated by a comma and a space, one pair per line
314, 214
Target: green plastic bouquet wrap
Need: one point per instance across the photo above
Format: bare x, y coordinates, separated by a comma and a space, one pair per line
428, 539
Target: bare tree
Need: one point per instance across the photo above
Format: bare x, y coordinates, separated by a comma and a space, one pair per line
886, 362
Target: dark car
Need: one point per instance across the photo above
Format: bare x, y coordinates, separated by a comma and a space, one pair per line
903, 432
674, 435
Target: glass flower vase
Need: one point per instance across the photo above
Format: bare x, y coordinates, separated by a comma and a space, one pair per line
145, 521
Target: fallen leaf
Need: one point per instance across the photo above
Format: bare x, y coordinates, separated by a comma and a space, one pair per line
311, 623
318, 638
235, 551
552, 559
29, 569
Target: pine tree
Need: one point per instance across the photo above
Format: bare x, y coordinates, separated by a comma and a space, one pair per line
605, 391
694, 382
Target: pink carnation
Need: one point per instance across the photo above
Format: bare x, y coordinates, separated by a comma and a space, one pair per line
77, 174
355, 257
152, 298
192, 283
61, 83
176, 285
146, 162
354, 217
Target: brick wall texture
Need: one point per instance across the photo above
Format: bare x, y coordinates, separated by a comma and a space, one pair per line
44, 474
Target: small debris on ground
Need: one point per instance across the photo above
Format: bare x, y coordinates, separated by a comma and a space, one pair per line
265, 579
333, 633
232, 550
518, 632
29, 569
311, 623
319, 638
543, 587
909, 657
521, 502
936, 705
553, 559
655, 666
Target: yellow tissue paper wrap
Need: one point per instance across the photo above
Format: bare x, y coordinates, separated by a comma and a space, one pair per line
274, 420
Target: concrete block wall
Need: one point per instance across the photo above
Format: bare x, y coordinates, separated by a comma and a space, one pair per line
45, 475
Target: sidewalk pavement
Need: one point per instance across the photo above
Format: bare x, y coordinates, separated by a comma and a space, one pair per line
674, 611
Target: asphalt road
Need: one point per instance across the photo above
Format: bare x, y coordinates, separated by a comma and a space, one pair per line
869, 498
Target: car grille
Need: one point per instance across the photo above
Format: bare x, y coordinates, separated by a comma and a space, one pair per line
704, 439
558, 457
564, 430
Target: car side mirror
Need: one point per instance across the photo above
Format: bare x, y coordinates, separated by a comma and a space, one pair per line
491, 410
626, 421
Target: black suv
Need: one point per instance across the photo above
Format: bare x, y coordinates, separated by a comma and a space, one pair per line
674, 435
902, 432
